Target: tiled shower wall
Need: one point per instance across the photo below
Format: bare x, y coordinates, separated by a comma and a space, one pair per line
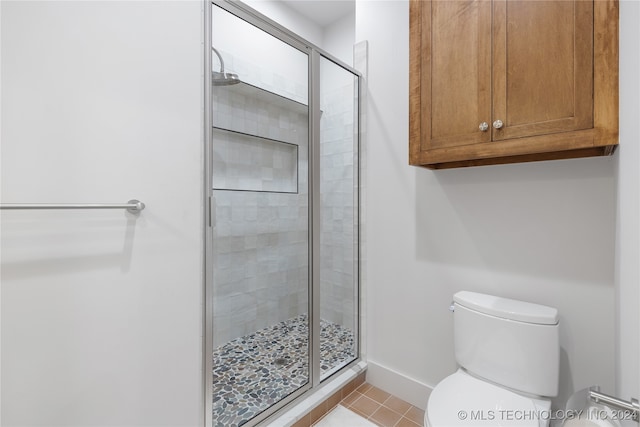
261, 259
337, 192
292, 86
261, 237
260, 245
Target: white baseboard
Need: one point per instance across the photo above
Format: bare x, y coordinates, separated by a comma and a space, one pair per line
398, 384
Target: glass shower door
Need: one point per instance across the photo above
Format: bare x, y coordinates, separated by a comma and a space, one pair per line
339, 212
260, 221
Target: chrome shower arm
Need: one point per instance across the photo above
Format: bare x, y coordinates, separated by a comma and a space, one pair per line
220, 78
220, 58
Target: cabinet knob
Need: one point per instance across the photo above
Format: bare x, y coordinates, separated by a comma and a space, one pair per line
484, 126
497, 124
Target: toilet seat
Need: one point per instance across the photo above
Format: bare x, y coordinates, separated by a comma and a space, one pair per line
463, 400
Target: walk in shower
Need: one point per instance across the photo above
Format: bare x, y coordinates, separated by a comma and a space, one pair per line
282, 247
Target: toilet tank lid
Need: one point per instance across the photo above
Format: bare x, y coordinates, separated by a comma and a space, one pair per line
507, 308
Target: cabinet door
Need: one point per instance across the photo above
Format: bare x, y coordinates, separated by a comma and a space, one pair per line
543, 67
455, 72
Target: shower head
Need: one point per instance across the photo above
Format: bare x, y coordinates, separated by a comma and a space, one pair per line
224, 79
220, 78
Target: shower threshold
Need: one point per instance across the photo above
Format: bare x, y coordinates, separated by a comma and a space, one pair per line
253, 372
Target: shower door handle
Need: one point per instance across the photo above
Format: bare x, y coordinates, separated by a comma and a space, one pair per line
212, 212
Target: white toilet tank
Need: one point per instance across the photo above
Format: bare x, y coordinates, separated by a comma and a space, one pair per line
509, 342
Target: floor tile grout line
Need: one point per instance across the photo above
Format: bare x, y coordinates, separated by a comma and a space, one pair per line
354, 391
374, 411
389, 397
403, 413
394, 413
401, 418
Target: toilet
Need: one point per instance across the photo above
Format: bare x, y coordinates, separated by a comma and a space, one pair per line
508, 354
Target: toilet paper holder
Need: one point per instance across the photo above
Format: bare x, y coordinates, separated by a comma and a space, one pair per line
633, 406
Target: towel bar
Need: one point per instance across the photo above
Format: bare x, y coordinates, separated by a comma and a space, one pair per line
632, 406
133, 206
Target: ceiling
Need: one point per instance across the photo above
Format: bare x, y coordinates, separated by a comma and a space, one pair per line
322, 12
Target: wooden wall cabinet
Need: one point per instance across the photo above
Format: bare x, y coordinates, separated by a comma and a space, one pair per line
507, 81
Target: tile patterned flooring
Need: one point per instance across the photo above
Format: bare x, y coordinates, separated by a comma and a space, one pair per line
253, 372
380, 408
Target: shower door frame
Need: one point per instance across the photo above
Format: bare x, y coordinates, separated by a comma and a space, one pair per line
314, 53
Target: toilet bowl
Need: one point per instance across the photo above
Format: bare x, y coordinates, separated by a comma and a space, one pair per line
508, 355
464, 400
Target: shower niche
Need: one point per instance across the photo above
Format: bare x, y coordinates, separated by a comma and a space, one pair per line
283, 241
258, 134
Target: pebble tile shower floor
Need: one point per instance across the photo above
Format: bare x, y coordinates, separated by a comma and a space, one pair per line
253, 372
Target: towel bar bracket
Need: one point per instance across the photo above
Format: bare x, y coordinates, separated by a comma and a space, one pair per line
138, 206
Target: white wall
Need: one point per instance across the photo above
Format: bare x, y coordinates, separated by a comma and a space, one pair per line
628, 211
338, 38
1, 116
101, 311
288, 18
542, 232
